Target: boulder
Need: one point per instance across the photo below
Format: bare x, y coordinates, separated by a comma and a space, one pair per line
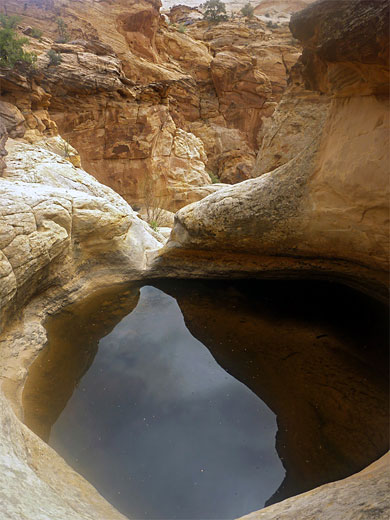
56, 216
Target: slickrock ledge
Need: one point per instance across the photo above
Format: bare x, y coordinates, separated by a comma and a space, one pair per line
364, 496
57, 222
324, 212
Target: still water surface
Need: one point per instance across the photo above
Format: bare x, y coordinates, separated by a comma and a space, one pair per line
186, 439
130, 396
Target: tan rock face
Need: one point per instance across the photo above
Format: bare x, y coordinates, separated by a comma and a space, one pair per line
139, 23
58, 213
278, 7
323, 212
363, 496
183, 13
62, 231
348, 59
297, 121
128, 83
249, 72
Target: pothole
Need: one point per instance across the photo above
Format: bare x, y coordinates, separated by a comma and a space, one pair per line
203, 400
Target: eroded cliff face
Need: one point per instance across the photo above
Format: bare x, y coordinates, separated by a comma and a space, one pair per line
144, 102
324, 212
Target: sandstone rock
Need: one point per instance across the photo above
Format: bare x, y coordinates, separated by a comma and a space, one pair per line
165, 231
248, 70
279, 9
3, 151
348, 59
95, 46
63, 231
331, 222
322, 213
295, 123
28, 495
117, 75
364, 496
52, 210
235, 166
193, 57
12, 119
184, 14
62, 148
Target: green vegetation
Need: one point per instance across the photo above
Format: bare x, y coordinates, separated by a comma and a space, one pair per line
36, 33
54, 57
11, 46
153, 203
215, 11
154, 225
214, 178
182, 28
247, 10
63, 35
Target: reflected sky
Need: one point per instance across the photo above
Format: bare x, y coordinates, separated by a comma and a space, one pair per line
162, 430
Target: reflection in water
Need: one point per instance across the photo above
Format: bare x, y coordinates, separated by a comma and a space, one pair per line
161, 429
163, 432
316, 353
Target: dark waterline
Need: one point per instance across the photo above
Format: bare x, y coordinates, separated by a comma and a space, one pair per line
148, 416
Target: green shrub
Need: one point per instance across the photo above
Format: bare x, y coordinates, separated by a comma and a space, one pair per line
214, 178
63, 35
182, 28
54, 57
11, 46
9, 22
247, 10
36, 33
215, 11
154, 225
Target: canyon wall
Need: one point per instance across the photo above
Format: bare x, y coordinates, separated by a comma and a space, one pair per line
324, 211
147, 102
57, 222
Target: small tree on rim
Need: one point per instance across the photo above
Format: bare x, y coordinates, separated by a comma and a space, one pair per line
247, 10
215, 11
11, 47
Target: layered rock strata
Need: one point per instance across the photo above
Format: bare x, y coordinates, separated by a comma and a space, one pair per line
146, 102
325, 211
